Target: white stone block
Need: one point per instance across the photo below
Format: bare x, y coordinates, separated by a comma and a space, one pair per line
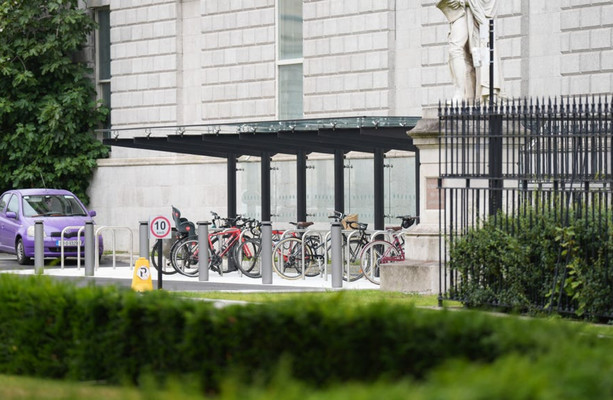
590, 17
601, 83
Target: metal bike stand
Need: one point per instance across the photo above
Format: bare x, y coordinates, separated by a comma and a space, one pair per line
89, 249
203, 245
336, 254
66, 228
39, 247
307, 233
143, 239
113, 229
266, 252
347, 260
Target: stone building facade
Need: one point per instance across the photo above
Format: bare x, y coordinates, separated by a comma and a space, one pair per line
177, 63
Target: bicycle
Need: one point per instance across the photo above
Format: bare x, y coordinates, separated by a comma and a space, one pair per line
353, 244
381, 251
222, 244
307, 255
184, 229
296, 256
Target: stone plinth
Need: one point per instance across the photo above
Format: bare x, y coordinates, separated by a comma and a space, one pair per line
410, 276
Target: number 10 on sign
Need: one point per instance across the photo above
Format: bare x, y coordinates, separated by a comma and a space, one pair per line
159, 227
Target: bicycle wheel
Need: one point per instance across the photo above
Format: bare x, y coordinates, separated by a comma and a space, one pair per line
313, 244
247, 258
167, 268
287, 258
374, 254
185, 257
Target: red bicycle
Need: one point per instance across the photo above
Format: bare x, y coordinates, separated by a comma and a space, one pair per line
229, 249
382, 251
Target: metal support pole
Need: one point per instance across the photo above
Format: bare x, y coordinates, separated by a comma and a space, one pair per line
339, 181
266, 253
231, 182
160, 262
265, 186
203, 246
39, 247
143, 239
337, 255
89, 249
301, 186
491, 62
495, 140
379, 188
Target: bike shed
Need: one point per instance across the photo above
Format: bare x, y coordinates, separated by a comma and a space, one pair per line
264, 139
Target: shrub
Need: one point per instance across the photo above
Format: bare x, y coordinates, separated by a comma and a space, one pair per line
538, 260
51, 329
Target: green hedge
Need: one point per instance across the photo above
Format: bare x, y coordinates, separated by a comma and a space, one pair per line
541, 259
51, 329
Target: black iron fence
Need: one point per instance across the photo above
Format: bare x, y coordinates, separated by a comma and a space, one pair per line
526, 204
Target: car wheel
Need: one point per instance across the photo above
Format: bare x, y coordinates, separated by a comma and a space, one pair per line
20, 251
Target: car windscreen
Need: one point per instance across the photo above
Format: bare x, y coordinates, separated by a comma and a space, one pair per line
52, 205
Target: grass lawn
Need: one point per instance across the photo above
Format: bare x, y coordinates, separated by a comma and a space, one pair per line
351, 296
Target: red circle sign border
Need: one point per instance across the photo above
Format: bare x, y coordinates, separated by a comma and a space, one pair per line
151, 227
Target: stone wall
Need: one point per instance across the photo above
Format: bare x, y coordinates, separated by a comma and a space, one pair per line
348, 58
202, 61
238, 60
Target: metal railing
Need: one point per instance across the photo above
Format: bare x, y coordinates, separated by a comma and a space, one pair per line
507, 164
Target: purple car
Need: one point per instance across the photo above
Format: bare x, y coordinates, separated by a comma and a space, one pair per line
56, 208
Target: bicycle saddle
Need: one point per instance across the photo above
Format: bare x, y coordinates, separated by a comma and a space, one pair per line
302, 224
357, 225
408, 220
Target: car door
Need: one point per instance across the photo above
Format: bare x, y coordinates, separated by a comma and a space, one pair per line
6, 226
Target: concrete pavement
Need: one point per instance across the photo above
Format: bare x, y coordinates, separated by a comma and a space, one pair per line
122, 274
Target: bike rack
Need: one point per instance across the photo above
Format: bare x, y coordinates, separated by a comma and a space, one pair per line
219, 243
240, 241
386, 235
113, 229
288, 231
81, 228
307, 233
347, 250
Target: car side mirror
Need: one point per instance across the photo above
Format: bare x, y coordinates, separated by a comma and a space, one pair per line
92, 213
11, 214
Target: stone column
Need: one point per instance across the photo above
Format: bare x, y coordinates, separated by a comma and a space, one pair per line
423, 240
419, 273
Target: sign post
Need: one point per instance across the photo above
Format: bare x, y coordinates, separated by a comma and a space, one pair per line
160, 228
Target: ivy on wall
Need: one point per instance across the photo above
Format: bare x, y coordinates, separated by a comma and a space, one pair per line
48, 109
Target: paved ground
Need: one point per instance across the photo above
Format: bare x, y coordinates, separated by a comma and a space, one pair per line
122, 274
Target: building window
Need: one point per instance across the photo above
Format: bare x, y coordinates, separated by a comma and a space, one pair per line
103, 61
289, 59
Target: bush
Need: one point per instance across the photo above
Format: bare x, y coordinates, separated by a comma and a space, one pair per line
108, 334
538, 260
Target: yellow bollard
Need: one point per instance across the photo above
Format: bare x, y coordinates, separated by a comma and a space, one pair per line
142, 276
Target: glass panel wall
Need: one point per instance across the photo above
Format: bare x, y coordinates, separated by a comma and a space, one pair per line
399, 182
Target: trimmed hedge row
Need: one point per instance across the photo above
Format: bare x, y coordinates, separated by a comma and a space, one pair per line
53, 329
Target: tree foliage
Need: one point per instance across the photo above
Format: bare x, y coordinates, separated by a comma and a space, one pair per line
48, 109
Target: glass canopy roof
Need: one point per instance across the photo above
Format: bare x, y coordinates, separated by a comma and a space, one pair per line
298, 125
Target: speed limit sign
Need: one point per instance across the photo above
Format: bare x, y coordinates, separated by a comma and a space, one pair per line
159, 227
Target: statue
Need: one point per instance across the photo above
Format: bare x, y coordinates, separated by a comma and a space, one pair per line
468, 47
